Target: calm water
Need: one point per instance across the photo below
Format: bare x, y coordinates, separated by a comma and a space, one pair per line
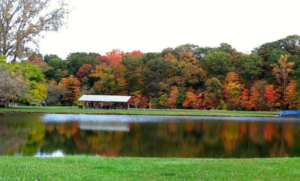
148, 136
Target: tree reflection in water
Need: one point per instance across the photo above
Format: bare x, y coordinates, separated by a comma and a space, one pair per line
149, 136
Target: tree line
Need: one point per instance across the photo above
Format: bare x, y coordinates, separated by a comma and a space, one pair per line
187, 76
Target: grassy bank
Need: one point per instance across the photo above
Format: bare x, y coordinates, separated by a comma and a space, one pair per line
96, 168
187, 112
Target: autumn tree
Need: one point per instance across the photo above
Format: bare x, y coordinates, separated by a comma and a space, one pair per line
270, 96
36, 60
191, 99
114, 56
257, 99
34, 77
281, 71
232, 90
174, 93
23, 21
12, 86
111, 80
83, 72
191, 71
72, 85
292, 98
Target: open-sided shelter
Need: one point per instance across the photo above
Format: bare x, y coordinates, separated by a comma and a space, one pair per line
106, 101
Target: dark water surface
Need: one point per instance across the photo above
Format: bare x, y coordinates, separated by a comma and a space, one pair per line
148, 136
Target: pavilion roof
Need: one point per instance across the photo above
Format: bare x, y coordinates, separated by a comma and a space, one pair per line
106, 98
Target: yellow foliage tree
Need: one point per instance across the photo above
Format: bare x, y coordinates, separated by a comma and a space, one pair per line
281, 71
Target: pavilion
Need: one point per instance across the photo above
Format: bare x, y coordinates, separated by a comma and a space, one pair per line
106, 101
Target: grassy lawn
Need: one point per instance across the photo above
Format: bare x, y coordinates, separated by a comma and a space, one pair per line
97, 168
187, 112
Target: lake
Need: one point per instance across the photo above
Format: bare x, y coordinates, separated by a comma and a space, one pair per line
148, 136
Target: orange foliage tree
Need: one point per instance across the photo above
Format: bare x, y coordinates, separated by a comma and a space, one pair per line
174, 93
190, 99
270, 97
73, 88
292, 98
232, 90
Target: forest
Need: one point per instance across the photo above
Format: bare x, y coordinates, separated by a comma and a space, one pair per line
184, 77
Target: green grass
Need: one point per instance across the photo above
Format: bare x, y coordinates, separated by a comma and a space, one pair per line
186, 112
96, 168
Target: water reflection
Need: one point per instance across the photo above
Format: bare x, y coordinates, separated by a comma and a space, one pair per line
148, 136
57, 153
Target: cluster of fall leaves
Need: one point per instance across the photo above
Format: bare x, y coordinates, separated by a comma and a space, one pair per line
187, 76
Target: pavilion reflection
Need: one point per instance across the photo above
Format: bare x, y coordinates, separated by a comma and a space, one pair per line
104, 126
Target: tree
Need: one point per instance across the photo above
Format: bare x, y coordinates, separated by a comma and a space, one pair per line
191, 99
217, 64
114, 56
12, 86
110, 79
281, 72
55, 93
84, 71
58, 70
36, 60
133, 72
72, 85
49, 57
270, 96
76, 60
213, 93
34, 77
23, 21
292, 96
173, 97
249, 68
232, 90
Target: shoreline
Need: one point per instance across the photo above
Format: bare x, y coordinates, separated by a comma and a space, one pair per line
158, 112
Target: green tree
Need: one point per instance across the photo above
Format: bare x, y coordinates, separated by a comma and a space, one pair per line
58, 70
217, 64
249, 67
133, 73
213, 94
76, 60
49, 57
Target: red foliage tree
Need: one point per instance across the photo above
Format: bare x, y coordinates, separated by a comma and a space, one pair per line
114, 56
270, 96
136, 53
83, 71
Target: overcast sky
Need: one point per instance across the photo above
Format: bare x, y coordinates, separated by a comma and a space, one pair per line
150, 26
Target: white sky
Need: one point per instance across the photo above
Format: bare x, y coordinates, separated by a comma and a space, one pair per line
152, 25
